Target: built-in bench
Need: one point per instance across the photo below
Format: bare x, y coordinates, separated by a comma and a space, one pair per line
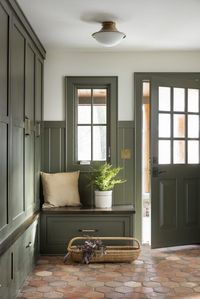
59, 225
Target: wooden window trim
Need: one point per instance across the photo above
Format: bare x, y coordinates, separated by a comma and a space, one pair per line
71, 83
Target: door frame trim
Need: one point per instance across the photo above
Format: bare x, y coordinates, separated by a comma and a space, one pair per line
139, 77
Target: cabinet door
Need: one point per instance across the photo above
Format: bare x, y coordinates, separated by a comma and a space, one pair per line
22, 258
4, 115
17, 104
31, 247
19, 271
29, 133
38, 120
5, 267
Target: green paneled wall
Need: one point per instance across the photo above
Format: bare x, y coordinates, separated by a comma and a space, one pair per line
124, 194
54, 154
54, 160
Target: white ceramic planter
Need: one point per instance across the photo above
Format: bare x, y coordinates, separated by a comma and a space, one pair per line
103, 199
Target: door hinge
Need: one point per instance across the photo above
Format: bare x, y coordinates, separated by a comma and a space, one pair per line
27, 126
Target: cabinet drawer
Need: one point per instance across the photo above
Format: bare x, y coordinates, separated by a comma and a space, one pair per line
57, 230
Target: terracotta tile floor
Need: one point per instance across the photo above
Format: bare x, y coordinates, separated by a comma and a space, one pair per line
164, 273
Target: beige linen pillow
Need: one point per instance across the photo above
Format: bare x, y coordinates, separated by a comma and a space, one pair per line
60, 189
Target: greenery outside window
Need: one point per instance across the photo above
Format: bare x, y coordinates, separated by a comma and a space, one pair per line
91, 104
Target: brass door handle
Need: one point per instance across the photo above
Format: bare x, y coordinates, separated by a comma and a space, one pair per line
156, 172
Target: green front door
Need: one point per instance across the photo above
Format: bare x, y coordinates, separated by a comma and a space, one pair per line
175, 162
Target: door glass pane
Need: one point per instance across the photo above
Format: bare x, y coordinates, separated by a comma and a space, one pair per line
193, 151
179, 125
84, 106
193, 126
99, 143
193, 100
164, 98
84, 143
179, 99
164, 125
164, 153
179, 152
99, 106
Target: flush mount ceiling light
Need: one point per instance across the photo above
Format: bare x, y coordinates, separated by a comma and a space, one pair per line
109, 36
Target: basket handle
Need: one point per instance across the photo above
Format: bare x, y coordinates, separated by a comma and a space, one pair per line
103, 238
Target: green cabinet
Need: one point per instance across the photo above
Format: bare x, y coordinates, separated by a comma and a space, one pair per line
58, 226
17, 204
38, 127
29, 126
23, 252
33, 131
21, 81
5, 275
4, 114
26, 105
18, 261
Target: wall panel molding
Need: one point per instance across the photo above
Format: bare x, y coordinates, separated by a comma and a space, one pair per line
54, 155
24, 21
54, 159
124, 194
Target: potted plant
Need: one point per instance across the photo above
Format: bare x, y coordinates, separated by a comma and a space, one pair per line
103, 178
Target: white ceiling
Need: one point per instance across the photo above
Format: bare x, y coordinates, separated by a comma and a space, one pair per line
148, 24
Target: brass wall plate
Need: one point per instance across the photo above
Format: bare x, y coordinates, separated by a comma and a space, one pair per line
126, 154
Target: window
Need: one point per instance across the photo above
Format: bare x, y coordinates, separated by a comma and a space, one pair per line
91, 104
91, 124
178, 125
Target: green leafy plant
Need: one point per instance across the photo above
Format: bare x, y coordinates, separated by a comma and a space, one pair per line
103, 177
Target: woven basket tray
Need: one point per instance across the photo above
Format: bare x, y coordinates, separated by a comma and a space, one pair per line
113, 253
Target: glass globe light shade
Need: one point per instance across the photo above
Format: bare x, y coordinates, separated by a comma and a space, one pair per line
109, 36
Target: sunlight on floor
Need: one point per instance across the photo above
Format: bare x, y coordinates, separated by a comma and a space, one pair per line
146, 230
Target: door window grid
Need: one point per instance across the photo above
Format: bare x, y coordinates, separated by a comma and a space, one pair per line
91, 124
182, 146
